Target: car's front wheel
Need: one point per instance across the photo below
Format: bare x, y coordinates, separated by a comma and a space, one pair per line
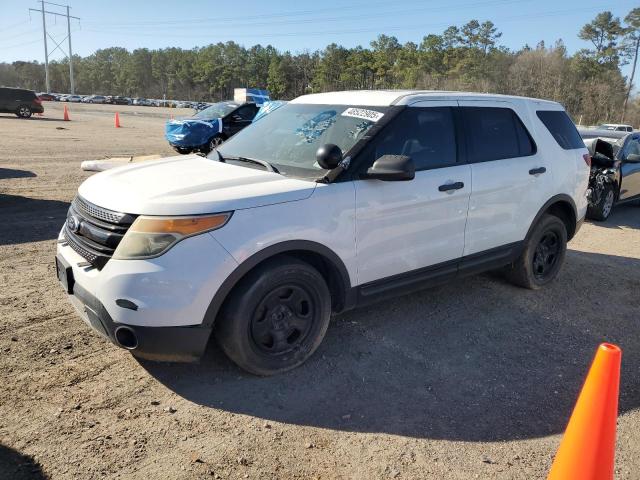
543, 254
276, 317
601, 210
214, 143
24, 111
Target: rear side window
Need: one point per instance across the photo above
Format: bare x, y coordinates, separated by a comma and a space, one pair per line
495, 133
562, 128
427, 135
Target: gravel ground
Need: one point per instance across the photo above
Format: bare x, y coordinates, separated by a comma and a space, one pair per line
475, 379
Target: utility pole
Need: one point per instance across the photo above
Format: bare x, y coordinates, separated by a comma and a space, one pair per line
68, 54
73, 87
46, 53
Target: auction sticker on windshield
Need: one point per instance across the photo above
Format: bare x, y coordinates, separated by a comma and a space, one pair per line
363, 113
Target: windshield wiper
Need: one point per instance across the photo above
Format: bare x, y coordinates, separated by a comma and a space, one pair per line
269, 167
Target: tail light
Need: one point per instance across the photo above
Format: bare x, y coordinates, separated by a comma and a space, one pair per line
587, 159
38, 100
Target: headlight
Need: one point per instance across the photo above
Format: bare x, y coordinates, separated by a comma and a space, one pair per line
152, 236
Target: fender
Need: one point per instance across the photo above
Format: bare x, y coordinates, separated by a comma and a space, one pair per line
258, 257
562, 197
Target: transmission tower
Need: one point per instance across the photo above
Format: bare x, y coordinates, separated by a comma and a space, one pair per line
47, 54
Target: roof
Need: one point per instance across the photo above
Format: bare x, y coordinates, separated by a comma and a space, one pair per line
403, 97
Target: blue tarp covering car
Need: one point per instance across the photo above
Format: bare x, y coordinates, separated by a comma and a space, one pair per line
210, 127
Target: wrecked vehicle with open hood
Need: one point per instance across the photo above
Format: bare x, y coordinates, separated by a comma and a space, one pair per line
615, 170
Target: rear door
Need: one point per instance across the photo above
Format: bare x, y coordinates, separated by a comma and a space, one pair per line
405, 226
4, 99
510, 177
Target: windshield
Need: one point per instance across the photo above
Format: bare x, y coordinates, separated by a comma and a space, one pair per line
217, 110
290, 136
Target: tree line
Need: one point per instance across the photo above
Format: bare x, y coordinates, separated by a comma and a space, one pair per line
469, 57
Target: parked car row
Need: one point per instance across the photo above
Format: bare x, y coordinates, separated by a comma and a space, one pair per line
121, 100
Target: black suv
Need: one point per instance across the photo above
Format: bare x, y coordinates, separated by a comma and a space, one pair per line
20, 101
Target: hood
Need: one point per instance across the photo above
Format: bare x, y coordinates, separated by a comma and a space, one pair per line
187, 185
191, 132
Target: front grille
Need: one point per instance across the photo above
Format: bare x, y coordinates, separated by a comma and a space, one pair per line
94, 232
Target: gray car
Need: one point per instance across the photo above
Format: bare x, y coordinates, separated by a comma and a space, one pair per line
615, 169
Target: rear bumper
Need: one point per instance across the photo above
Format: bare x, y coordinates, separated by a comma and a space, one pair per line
37, 108
170, 344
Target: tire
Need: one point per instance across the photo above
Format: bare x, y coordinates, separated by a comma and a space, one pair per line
24, 111
275, 318
213, 143
543, 255
182, 150
602, 209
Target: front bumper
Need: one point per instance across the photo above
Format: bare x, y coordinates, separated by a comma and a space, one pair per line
177, 344
160, 302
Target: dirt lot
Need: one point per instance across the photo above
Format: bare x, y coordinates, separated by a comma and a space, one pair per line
471, 380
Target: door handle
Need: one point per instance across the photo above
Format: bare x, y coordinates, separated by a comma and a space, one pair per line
451, 186
537, 171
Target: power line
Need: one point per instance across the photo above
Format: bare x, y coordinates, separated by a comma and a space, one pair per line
17, 45
229, 22
420, 26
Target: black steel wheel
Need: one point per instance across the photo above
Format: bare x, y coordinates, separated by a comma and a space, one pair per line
546, 254
283, 319
276, 316
542, 256
24, 111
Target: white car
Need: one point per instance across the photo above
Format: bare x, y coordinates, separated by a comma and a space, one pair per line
333, 201
617, 127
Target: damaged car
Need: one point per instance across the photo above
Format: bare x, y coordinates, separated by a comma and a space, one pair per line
210, 127
615, 170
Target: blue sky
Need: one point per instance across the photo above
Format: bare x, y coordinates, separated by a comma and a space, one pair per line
288, 24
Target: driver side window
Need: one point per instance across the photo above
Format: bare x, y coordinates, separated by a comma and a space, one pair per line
246, 112
632, 148
427, 135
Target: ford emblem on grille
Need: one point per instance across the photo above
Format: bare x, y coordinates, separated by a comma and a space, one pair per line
73, 223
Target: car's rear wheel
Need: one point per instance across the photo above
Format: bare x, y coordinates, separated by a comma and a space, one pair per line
24, 111
543, 254
275, 318
602, 209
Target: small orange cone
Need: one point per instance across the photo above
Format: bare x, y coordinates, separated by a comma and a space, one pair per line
587, 451
66, 114
117, 120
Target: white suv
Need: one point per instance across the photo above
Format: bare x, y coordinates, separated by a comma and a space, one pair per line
332, 201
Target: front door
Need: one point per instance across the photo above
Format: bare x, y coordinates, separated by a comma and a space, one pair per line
405, 226
239, 119
630, 184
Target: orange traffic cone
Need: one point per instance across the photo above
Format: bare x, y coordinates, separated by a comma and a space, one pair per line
117, 120
587, 451
66, 114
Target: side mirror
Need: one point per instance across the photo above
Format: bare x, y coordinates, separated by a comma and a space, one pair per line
329, 156
392, 168
633, 158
